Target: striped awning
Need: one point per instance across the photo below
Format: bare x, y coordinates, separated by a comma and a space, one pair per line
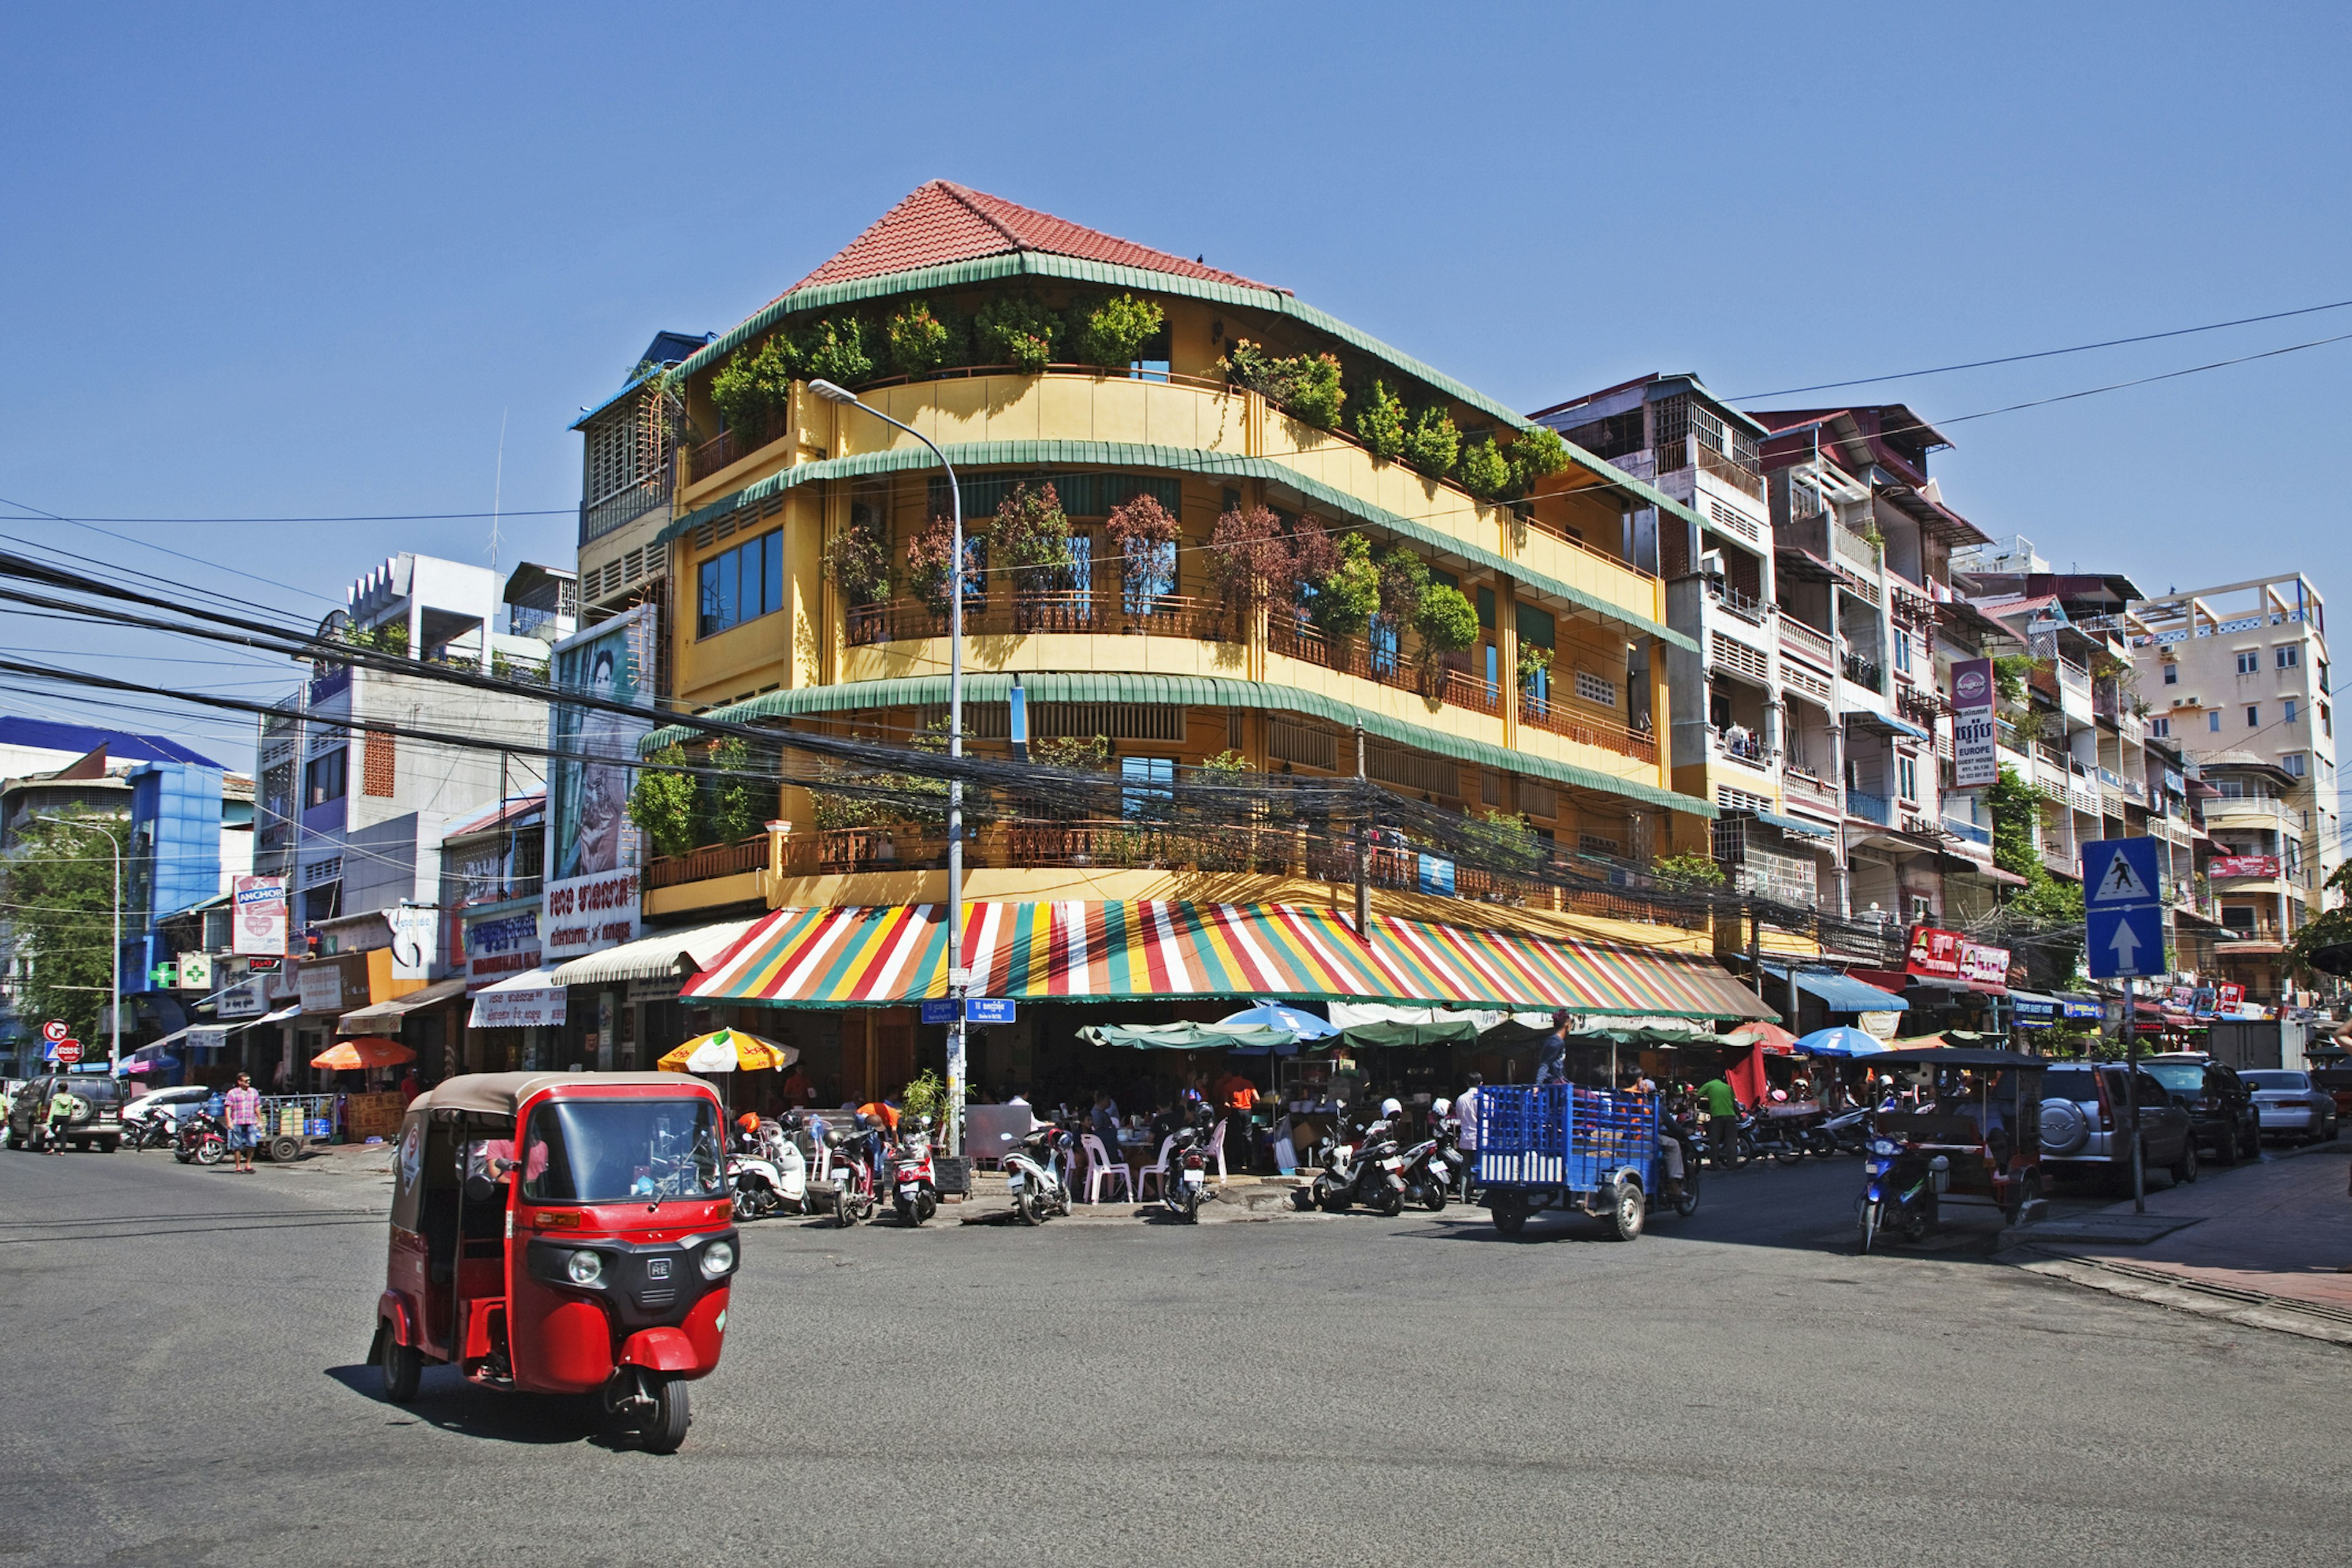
1423, 959
1041, 952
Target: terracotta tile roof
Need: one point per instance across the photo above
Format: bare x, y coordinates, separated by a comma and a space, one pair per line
941, 222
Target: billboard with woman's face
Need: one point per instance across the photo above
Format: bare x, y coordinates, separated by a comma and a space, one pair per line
589, 839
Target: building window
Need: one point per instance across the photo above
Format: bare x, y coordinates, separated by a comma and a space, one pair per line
2250, 661
1907, 778
741, 585
2213, 721
2159, 728
323, 777
2327, 722
2293, 762
2254, 715
2290, 656
1147, 785
2238, 916
2172, 675
1903, 653
2287, 714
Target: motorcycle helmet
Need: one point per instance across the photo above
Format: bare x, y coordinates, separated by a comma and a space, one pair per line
1440, 1108
1391, 1107
1780, 1097
748, 1122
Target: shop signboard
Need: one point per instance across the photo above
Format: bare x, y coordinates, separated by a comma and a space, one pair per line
535, 1008
590, 902
196, 971
1878, 1026
259, 929
2244, 866
1976, 764
500, 945
415, 934
2229, 996
330, 987
1941, 954
245, 999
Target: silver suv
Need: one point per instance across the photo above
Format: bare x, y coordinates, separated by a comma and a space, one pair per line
2083, 1123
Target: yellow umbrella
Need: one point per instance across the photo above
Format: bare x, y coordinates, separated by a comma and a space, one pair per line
727, 1050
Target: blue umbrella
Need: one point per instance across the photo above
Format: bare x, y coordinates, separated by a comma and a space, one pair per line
1275, 1015
1841, 1041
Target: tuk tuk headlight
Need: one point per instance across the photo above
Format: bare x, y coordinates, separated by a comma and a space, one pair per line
718, 1259
585, 1267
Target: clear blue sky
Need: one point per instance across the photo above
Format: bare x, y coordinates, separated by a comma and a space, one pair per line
305, 262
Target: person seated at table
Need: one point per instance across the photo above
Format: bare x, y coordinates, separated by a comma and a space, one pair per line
1103, 1121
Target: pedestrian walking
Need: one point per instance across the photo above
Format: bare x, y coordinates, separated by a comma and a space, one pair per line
1551, 1066
242, 1108
1466, 1116
1722, 1118
63, 1109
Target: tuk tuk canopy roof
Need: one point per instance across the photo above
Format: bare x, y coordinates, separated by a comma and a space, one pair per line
1958, 1056
500, 1093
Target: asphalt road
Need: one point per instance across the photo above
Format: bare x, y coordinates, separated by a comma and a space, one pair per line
183, 1384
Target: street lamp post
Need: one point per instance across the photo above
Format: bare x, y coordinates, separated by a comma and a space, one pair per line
114, 1008
957, 980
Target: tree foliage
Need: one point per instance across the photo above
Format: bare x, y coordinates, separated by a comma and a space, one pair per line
58, 882
1379, 421
1110, 333
663, 805
1250, 557
1018, 329
736, 805
1345, 596
857, 561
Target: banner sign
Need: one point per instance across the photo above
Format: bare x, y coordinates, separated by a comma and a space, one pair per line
540, 1008
500, 945
1947, 955
416, 934
588, 914
259, 930
243, 1000
590, 902
1975, 735
2244, 866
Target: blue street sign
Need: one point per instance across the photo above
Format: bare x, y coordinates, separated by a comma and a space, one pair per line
2120, 871
2124, 940
987, 1010
942, 1011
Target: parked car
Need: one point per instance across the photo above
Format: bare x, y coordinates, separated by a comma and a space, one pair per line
2084, 1127
2221, 1109
2331, 1070
2292, 1106
171, 1104
97, 1125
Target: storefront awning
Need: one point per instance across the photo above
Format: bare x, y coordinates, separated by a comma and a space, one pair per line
1054, 952
1422, 959
533, 999
655, 956
384, 1017
1842, 992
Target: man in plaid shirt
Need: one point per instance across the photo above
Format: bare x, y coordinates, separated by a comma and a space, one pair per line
242, 1107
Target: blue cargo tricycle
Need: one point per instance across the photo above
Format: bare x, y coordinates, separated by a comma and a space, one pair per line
1559, 1146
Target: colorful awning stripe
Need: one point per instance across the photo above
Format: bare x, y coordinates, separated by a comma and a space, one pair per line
1076, 951
1496, 969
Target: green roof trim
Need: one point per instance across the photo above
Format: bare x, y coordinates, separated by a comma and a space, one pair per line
1071, 269
1183, 460
1183, 691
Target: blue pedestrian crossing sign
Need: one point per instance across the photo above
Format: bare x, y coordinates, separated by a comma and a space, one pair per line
2124, 940
2120, 871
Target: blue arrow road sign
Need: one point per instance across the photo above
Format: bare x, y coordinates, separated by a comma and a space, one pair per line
2125, 939
2119, 871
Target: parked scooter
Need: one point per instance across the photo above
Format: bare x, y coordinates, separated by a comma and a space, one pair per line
1370, 1172
202, 1139
1033, 1174
912, 1178
153, 1131
767, 1174
1778, 1136
1185, 1185
1433, 1165
1899, 1198
1847, 1132
851, 1167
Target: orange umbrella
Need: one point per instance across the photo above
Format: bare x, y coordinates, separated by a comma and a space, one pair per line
362, 1051
1776, 1040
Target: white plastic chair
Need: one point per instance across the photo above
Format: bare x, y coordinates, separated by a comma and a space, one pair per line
1217, 1147
1103, 1170
1156, 1172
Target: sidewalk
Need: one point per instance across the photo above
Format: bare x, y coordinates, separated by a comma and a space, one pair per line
2260, 1244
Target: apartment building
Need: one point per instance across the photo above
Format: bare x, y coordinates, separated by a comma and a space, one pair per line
988, 326
2237, 676
628, 475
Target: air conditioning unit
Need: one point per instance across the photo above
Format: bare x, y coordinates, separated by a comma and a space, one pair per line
1711, 563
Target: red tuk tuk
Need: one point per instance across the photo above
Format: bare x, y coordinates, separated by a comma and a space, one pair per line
560, 1233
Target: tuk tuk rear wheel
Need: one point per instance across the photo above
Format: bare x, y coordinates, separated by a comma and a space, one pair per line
285, 1150
1510, 1214
1627, 1211
664, 1428
401, 1365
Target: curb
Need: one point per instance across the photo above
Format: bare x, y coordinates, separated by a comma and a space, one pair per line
2250, 1308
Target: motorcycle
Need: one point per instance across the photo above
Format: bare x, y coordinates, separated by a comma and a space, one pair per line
1370, 1173
1775, 1135
1899, 1198
1847, 1132
202, 1139
1033, 1174
912, 1177
1431, 1167
767, 1174
852, 1174
150, 1131
1186, 1184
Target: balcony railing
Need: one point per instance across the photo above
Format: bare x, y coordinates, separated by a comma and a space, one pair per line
1862, 672
1741, 745
1450, 680
623, 507
1555, 717
1874, 808
1804, 640
733, 446
709, 861
1969, 831
1809, 788
1747, 607
1001, 615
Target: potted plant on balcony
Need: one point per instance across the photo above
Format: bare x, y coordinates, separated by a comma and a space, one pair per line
922, 338
1431, 443
1250, 557
930, 554
1343, 586
663, 805
1110, 333
1029, 542
1447, 624
1535, 668
857, 561
1379, 421
1144, 533
1306, 386
1016, 329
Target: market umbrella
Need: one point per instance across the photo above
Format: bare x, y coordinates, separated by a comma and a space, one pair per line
1841, 1041
1774, 1040
362, 1051
140, 1066
1188, 1037
1275, 1015
727, 1050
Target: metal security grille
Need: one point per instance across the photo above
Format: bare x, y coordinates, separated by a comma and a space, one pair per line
1538, 799
1411, 770
378, 768
1287, 740
1081, 495
1076, 720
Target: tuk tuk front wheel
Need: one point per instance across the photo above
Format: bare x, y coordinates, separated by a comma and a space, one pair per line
664, 1426
401, 1364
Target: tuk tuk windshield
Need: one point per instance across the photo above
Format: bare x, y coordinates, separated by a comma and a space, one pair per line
616, 1150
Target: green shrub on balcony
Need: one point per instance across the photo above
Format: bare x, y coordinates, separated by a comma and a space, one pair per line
733, 805
1305, 386
1345, 597
1110, 333
1431, 443
1687, 871
1380, 422
1016, 329
755, 382
834, 349
922, 339
662, 806
1485, 471
1536, 455
1445, 620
